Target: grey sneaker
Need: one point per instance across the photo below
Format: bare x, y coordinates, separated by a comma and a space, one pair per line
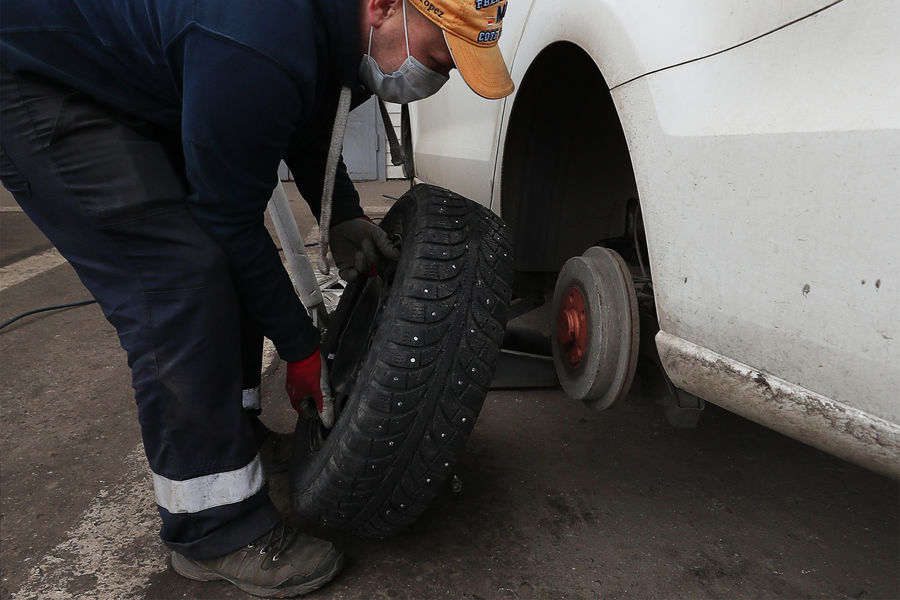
281, 564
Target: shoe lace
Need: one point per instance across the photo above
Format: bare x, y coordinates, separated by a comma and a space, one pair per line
279, 539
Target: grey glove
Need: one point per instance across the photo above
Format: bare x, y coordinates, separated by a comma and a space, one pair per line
355, 245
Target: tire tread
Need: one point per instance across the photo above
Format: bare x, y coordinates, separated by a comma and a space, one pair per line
397, 447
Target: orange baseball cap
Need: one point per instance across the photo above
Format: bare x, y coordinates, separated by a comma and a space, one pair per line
472, 28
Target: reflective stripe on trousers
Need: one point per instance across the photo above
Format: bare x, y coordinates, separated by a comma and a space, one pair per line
209, 491
109, 192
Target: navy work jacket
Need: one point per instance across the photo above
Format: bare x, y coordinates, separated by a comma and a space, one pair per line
245, 82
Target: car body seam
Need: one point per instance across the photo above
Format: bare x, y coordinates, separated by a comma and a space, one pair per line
730, 48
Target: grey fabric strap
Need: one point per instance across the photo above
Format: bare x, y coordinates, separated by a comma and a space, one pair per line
334, 155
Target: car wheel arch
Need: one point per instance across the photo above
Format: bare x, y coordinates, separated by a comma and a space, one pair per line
563, 164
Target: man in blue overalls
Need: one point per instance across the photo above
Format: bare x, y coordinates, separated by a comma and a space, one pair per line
143, 138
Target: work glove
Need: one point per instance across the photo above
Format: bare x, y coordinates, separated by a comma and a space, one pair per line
355, 245
306, 384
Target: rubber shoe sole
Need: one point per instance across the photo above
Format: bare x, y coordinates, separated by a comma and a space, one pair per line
328, 569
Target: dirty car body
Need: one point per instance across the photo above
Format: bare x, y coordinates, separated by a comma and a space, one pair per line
761, 142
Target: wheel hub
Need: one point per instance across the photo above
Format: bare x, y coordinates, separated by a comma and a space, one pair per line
572, 326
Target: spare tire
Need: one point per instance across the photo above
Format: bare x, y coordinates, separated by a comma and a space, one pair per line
412, 351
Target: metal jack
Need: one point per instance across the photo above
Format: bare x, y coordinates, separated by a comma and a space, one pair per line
525, 361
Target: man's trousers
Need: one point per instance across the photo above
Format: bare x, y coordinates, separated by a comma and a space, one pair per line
109, 192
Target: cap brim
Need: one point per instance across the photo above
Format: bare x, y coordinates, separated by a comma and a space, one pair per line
481, 68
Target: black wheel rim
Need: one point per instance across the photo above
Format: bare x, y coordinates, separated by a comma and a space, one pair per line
346, 344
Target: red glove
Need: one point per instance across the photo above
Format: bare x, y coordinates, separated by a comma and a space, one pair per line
308, 378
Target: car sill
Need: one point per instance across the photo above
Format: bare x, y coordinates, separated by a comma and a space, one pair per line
831, 426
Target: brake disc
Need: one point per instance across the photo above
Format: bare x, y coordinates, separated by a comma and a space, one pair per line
596, 331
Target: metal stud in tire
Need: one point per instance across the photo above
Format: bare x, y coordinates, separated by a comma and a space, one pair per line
412, 399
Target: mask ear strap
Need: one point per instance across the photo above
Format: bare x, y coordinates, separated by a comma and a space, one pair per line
371, 31
405, 30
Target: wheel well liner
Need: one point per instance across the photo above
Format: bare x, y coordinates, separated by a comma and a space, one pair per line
567, 174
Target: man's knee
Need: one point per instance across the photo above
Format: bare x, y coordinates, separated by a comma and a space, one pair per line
170, 252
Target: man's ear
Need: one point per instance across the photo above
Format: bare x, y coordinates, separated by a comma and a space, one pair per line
378, 11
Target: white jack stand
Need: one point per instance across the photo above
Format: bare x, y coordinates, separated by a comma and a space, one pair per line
307, 282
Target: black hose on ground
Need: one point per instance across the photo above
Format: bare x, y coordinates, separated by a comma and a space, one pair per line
45, 309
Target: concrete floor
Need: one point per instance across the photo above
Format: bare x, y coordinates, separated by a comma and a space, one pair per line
558, 501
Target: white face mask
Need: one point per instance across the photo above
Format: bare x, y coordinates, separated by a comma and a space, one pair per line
412, 81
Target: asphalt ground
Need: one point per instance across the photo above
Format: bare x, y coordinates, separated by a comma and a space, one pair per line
557, 501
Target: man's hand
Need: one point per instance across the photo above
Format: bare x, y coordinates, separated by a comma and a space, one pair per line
306, 383
355, 245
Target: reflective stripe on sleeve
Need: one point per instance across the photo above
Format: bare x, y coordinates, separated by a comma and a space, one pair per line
250, 399
209, 491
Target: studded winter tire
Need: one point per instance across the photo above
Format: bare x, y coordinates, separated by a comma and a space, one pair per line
412, 351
